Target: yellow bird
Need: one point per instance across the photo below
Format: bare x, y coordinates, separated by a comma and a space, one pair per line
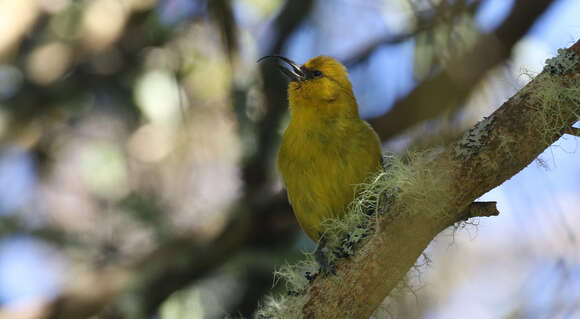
327, 149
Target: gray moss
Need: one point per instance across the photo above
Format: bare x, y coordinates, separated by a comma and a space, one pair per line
562, 64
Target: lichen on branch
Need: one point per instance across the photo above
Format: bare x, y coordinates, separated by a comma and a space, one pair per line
421, 194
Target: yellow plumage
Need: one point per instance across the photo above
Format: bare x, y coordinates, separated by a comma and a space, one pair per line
327, 149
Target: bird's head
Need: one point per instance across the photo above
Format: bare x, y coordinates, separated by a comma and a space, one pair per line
320, 85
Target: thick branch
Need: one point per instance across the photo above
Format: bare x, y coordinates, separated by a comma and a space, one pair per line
493, 151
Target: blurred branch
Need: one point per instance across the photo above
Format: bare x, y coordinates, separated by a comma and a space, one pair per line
255, 172
451, 87
179, 263
507, 141
290, 17
173, 265
13, 225
223, 14
427, 20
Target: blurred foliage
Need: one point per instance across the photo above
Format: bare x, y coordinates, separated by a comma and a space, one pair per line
137, 140
124, 109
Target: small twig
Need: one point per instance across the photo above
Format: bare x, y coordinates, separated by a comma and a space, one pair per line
480, 209
571, 130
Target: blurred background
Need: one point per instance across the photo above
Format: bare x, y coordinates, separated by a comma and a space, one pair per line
138, 138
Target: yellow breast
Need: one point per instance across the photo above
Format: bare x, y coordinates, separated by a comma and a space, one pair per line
322, 166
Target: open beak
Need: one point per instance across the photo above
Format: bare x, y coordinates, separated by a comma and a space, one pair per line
293, 72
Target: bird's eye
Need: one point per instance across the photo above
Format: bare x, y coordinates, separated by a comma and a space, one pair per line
316, 73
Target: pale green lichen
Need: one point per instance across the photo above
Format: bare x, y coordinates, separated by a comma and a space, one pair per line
552, 97
281, 307
407, 178
474, 139
563, 63
296, 276
506, 143
554, 101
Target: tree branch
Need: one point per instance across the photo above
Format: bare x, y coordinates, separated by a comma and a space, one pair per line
290, 17
494, 150
451, 87
427, 21
480, 209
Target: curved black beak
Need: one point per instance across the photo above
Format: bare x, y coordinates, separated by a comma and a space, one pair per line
294, 73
